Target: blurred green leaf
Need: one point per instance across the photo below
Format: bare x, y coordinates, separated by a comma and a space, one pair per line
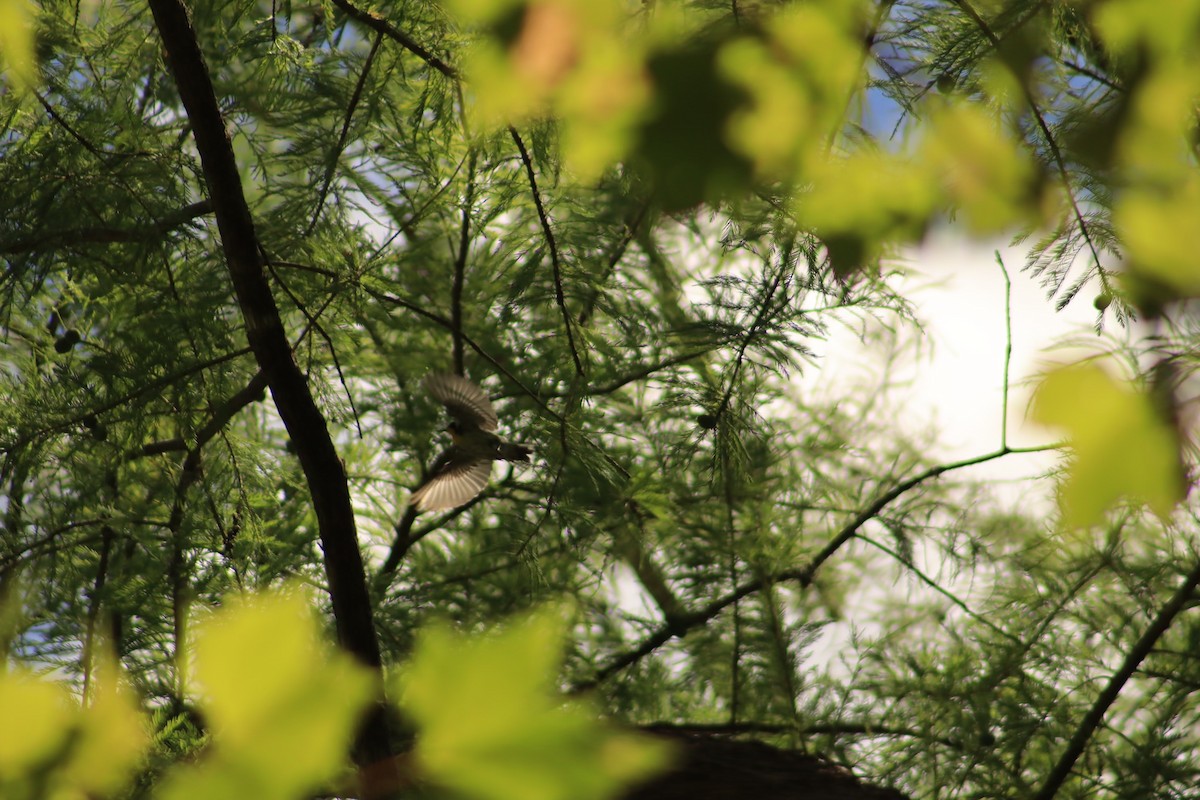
37, 716
491, 727
682, 146
113, 734
985, 174
1168, 30
50, 747
17, 42
1123, 447
282, 702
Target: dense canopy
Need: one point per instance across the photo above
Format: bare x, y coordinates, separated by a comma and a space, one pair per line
238, 235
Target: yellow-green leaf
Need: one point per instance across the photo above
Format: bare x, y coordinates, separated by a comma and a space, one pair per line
282, 702
860, 203
490, 725
985, 173
113, 734
1123, 448
1163, 30
1161, 237
16, 42
50, 747
37, 720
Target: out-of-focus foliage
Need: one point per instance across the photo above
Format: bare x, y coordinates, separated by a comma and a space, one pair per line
634, 224
17, 44
52, 747
280, 703
1122, 445
491, 725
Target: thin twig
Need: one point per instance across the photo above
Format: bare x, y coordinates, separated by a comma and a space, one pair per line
381, 25
1060, 163
74, 134
313, 323
336, 153
1007, 350
680, 626
1095, 715
103, 235
460, 266
555, 264
755, 328
636, 375
931, 583
866, 729
166, 380
614, 258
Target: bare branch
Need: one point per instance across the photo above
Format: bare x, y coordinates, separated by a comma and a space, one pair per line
323, 469
381, 25
460, 266
336, 153
683, 624
1091, 721
105, 235
555, 264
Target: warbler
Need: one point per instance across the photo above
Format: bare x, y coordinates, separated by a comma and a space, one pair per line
463, 470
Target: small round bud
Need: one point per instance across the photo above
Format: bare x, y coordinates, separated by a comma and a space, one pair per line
707, 421
1102, 301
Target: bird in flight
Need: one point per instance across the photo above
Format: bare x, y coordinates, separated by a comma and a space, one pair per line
463, 470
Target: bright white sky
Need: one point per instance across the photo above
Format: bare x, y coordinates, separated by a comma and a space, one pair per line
954, 387
955, 384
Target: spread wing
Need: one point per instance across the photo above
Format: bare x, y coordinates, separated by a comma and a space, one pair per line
465, 401
453, 484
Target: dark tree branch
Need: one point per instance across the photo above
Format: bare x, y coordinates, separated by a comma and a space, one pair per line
551, 242
460, 267
683, 624
405, 537
1091, 721
103, 235
336, 154
400, 544
324, 471
381, 25
176, 445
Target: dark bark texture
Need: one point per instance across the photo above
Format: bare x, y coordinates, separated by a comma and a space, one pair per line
306, 426
720, 768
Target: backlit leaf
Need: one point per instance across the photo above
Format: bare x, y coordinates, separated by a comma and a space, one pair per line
1122, 446
282, 702
16, 42
490, 725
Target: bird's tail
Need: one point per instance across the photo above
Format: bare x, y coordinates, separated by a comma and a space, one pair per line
513, 452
